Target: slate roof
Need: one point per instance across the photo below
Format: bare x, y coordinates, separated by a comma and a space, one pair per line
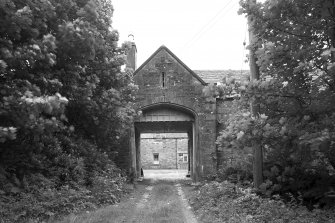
214, 76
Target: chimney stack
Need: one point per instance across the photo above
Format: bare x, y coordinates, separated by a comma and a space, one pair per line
132, 54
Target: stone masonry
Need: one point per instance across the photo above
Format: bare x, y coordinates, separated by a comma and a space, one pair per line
165, 81
170, 150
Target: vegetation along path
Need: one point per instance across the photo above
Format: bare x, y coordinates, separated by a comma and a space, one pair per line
153, 201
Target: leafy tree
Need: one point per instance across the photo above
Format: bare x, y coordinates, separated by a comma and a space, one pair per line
295, 94
64, 101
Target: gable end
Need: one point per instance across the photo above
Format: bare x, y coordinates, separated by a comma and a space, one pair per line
176, 58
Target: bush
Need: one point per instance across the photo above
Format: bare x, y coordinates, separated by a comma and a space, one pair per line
226, 202
44, 199
297, 150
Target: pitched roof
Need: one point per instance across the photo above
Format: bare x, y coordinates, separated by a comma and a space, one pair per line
215, 76
176, 58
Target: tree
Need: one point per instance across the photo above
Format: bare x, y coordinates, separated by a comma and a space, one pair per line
64, 99
295, 94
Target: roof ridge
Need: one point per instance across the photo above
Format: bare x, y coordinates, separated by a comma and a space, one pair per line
176, 58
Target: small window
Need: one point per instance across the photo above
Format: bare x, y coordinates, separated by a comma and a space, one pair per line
163, 79
156, 158
180, 157
185, 158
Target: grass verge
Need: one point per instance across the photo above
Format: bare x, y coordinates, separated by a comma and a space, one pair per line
216, 202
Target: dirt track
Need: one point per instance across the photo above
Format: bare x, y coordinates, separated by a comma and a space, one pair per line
159, 198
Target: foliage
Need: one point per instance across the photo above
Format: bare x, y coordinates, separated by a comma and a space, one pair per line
65, 105
243, 205
295, 95
229, 87
46, 202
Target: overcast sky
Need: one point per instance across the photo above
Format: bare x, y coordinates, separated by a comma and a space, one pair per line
203, 34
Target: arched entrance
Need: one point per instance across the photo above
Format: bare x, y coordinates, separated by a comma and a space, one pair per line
166, 118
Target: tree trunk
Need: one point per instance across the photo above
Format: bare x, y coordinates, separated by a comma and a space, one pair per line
254, 106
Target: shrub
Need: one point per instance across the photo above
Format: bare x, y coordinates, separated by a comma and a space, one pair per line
44, 199
226, 202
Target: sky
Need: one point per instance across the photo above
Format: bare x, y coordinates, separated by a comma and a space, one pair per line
205, 35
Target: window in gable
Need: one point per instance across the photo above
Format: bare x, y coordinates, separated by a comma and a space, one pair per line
163, 79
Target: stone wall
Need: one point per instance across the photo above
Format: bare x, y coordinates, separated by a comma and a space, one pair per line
167, 149
163, 78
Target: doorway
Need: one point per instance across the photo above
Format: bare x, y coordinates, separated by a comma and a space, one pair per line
165, 139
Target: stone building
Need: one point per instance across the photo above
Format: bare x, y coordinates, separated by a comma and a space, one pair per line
164, 151
171, 101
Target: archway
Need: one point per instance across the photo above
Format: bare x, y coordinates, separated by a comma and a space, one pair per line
164, 119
